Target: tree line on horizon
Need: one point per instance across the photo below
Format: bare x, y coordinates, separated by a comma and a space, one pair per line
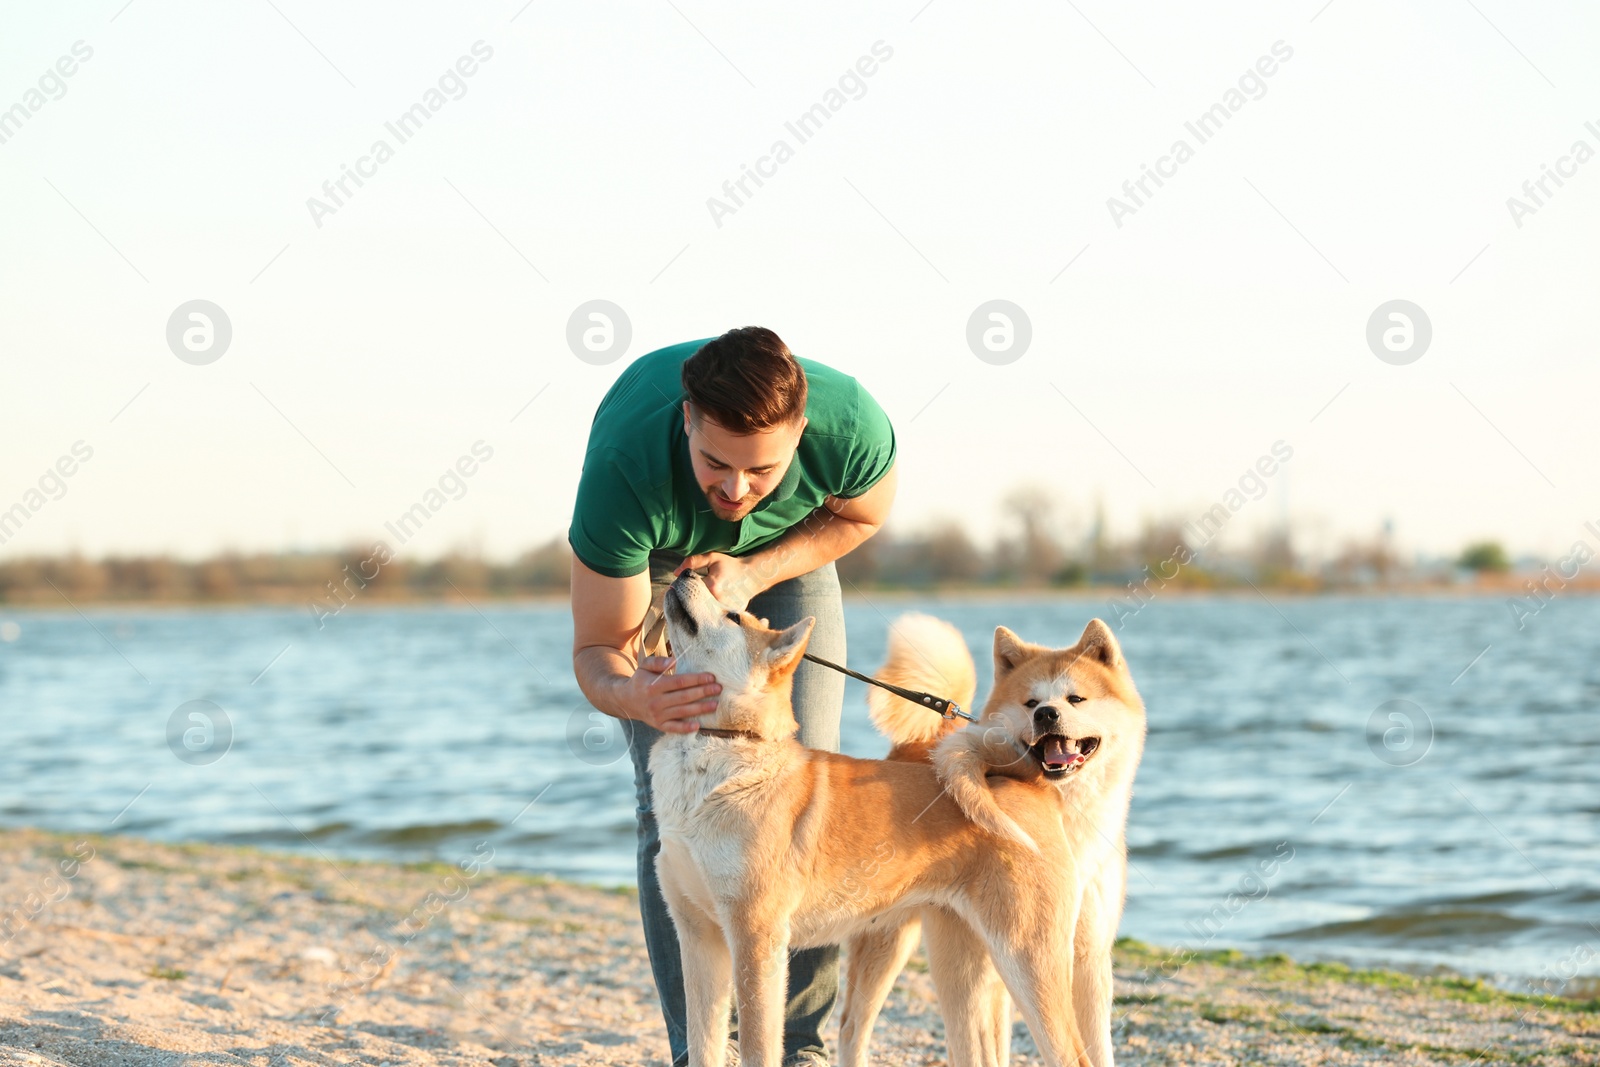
1037, 550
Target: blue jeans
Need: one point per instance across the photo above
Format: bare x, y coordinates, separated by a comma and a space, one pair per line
818, 700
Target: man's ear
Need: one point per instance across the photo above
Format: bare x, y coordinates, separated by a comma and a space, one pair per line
688, 419
1010, 651
1098, 644
783, 655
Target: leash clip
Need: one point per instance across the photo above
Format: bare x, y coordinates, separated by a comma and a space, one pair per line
949, 709
952, 710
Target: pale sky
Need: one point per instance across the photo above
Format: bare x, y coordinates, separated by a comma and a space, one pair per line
1227, 313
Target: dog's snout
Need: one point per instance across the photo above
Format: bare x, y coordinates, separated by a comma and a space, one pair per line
1046, 715
677, 612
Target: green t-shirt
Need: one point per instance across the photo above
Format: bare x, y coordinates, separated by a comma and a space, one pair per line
638, 492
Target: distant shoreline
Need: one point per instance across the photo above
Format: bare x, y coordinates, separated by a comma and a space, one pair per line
380, 600
944, 562
155, 949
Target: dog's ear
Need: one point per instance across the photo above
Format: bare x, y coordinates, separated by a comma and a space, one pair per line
1010, 651
1098, 644
783, 655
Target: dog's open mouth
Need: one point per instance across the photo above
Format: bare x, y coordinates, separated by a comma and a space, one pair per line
1060, 755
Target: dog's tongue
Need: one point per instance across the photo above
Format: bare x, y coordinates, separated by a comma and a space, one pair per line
1055, 752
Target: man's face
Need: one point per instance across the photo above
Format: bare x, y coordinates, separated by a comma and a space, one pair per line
736, 470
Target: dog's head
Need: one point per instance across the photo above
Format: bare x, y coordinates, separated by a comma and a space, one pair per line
752, 662
1063, 712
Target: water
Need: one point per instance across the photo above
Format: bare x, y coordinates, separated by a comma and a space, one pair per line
1269, 815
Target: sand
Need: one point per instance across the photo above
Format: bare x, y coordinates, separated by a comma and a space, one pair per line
117, 950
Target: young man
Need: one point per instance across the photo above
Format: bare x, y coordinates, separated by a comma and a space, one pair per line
733, 457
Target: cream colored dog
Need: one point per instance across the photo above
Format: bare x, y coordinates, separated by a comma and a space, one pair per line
767, 846
1068, 717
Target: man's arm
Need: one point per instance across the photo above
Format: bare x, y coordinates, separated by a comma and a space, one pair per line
607, 614
826, 534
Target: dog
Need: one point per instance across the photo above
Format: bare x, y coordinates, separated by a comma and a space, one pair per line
767, 846
1070, 719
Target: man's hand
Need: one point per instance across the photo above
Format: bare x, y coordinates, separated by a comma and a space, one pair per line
667, 701
730, 579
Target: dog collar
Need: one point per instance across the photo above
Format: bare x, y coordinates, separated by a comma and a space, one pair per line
713, 731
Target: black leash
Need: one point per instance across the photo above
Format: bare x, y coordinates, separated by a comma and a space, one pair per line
947, 708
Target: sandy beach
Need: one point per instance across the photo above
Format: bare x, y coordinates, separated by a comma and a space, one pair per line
123, 951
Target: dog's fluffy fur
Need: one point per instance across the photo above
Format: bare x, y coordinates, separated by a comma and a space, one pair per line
1076, 694
767, 846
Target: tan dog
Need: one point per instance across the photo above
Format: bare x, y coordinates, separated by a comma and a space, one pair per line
1068, 717
767, 846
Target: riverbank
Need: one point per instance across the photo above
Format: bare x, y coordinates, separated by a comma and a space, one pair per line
52, 602
120, 951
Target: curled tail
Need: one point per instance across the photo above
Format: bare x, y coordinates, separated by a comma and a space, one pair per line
962, 761
930, 656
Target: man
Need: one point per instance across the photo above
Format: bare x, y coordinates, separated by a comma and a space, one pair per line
733, 457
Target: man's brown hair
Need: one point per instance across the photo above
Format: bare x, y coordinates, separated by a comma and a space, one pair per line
746, 381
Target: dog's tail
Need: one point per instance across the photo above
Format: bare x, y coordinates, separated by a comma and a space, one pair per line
962, 761
930, 656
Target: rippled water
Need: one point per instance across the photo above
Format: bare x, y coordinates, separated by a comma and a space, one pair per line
1272, 810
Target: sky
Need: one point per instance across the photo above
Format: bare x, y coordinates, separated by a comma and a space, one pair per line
971, 154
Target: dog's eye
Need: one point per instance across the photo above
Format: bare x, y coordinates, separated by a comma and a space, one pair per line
1076, 699
734, 615
1030, 703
